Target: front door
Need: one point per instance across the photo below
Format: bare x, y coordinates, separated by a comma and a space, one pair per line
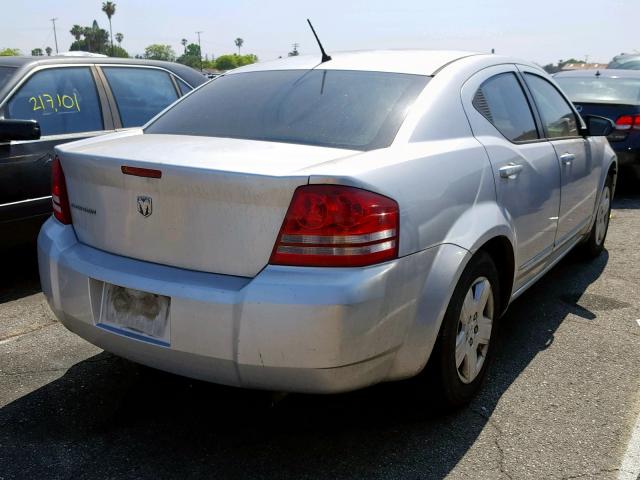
578, 170
525, 166
66, 103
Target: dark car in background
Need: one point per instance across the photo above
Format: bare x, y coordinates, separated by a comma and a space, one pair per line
52, 100
626, 61
614, 94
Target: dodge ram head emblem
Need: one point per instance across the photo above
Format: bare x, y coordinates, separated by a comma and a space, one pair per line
145, 206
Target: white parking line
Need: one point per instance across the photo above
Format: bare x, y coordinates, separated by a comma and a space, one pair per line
630, 468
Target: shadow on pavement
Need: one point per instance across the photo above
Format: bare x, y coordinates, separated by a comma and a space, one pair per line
106, 417
19, 277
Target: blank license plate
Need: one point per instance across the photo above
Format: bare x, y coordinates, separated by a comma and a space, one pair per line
135, 313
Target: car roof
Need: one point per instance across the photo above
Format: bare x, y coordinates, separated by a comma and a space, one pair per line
20, 61
604, 72
418, 62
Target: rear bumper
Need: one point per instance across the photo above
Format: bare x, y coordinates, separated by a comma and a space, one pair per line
292, 329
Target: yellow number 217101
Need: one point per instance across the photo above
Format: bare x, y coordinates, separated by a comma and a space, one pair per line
50, 104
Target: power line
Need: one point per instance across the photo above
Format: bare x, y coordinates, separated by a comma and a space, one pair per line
53, 20
200, 48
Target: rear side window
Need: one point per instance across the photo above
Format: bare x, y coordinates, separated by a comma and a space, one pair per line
62, 100
501, 100
557, 117
333, 108
5, 74
184, 88
140, 93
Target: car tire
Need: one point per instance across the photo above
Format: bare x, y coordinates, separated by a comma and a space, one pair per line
465, 344
594, 244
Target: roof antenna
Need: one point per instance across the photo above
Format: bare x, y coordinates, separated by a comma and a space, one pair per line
325, 57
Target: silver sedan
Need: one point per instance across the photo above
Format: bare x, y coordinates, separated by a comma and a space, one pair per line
320, 227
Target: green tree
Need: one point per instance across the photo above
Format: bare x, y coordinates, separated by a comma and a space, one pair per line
119, 38
92, 39
159, 52
246, 59
37, 52
120, 52
9, 52
109, 8
48, 50
193, 49
227, 62
77, 31
191, 56
238, 41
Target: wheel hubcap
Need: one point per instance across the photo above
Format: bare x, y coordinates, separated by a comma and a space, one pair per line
474, 330
602, 218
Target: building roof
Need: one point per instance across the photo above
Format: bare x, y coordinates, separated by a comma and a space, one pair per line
583, 66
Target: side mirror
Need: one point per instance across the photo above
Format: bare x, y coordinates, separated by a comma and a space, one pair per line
598, 126
19, 130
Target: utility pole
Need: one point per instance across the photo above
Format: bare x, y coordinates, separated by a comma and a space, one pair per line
200, 48
53, 20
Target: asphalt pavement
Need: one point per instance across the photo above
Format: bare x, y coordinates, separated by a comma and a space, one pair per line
561, 400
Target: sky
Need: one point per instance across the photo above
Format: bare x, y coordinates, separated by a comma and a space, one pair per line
542, 31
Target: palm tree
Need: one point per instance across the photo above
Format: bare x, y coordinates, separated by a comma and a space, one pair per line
119, 38
77, 31
239, 42
88, 35
48, 50
184, 42
110, 9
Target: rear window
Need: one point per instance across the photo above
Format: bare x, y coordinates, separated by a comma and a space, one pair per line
332, 108
5, 74
601, 90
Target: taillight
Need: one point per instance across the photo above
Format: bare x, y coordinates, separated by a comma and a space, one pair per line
337, 226
626, 122
59, 196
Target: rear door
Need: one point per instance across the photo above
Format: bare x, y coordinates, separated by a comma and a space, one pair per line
69, 105
525, 166
578, 169
139, 93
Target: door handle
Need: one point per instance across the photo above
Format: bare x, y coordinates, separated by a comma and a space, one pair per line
510, 171
567, 158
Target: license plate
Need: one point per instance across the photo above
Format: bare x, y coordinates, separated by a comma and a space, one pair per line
135, 313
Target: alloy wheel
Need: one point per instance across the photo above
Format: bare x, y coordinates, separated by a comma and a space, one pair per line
474, 330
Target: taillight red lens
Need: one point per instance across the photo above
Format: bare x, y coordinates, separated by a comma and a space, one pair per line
59, 197
625, 122
337, 226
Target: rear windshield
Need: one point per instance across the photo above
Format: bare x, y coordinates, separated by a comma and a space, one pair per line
5, 74
601, 90
332, 108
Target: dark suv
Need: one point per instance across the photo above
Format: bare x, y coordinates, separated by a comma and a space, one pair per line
52, 100
614, 94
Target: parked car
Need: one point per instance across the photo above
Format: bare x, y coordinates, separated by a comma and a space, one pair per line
614, 94
627, 61
70, 98
327, 226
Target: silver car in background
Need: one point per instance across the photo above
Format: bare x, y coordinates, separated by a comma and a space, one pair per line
321, 227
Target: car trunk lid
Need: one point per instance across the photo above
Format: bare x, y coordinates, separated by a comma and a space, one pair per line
217, 207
